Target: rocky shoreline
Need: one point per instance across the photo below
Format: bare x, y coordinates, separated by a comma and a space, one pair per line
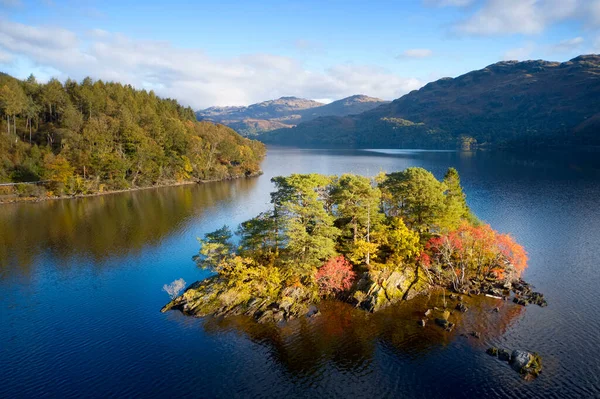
371, 293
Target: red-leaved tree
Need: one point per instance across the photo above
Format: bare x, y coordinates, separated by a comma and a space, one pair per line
335, 276
477, 251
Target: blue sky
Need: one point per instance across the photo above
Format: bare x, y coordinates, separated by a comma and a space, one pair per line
240, 52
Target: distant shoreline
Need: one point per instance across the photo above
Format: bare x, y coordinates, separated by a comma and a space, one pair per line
17, 199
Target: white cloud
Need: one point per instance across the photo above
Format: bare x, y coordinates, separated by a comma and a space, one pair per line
520, 53
5, 57
593, 12
416, 53
568, 45
499, 17
190, 75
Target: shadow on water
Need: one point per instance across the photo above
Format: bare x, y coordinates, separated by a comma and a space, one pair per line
102, 227
347, 338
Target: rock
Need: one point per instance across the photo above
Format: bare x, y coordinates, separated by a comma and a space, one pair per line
496, 310
519, 359
460, 298
445, 314
428, 312
441, 322
278, 316
452, 297
265, 317
476, 334
529, 365
520, 301
313, 311
461, 307
449, 327
422, 322
504, 355
492, 351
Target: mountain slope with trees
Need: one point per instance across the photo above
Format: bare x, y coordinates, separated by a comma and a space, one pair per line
509, 103
284, 112
98, 136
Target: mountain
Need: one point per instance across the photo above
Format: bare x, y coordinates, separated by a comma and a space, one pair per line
509, 103
285, 112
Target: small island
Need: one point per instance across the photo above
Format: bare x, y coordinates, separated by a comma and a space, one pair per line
367, 241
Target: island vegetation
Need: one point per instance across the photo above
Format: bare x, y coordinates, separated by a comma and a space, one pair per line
88, 137
367, 241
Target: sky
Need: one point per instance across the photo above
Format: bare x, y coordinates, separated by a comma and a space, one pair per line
241, 52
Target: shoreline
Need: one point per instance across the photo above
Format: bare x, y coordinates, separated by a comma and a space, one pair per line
17, 199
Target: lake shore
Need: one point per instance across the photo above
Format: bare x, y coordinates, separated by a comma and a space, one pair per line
16, 199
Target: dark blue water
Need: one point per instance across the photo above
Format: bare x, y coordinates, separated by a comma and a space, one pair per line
81, 288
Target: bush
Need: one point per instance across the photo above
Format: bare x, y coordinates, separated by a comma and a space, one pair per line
335, 276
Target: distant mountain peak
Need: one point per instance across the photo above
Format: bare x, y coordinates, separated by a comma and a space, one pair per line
284, 112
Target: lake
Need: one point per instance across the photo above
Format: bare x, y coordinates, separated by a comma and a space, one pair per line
81, 289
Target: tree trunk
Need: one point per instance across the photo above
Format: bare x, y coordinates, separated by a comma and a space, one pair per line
8, 125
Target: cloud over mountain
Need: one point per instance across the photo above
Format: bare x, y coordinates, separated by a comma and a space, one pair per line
191, 75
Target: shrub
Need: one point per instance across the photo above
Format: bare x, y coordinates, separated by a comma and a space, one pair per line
335, 276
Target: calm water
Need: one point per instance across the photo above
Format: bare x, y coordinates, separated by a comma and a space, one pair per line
80, 293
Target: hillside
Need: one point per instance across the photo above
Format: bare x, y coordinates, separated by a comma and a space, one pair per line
505, 104
284, 112
91, 136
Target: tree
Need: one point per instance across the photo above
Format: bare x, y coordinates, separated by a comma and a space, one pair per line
13, 101
31, 112
309, 230
214, 248
477, 251
455, 203
58, 169
260, 238
398, 244
335, 276
416, 196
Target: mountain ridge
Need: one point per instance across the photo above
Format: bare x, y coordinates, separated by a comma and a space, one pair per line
507, 103
284, 112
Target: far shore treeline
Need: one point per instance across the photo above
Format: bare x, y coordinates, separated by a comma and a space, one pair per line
92, 136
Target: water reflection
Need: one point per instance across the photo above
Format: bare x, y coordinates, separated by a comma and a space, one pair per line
347, 338
104, 226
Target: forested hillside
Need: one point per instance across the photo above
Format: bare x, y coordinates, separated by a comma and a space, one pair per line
94, 136
510, 103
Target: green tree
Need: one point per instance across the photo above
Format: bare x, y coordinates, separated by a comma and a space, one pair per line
309, 231
415, 195
214, 248
455, 203
357, 203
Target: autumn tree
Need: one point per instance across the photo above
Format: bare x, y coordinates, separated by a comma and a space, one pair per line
335, 276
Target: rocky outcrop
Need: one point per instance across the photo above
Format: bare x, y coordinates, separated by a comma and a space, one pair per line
528, 364
524, 295
379, 289
211, 297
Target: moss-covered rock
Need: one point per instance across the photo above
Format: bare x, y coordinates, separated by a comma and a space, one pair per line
213, 297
